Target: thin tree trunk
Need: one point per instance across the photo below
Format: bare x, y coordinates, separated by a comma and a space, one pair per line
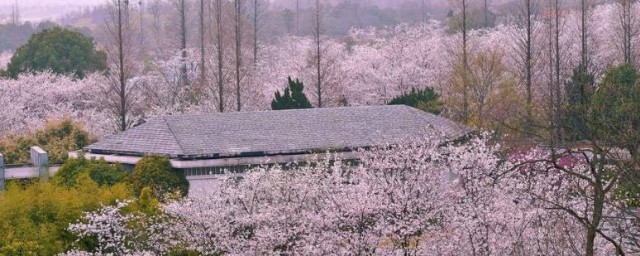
465, 65
584, 8
238, 20
318, 54
220, 52
552, 92
203, 76
255, 32
121, 71
183, 42
528, 65
627, 30
557, 69
142, 39
598, 206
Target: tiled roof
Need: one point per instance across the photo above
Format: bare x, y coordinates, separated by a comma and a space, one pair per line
276, 132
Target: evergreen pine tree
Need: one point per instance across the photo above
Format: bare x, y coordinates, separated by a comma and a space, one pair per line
425, 100
293, 97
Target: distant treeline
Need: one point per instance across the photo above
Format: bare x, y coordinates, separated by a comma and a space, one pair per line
14, 35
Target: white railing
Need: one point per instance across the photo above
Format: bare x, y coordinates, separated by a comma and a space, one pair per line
39, 168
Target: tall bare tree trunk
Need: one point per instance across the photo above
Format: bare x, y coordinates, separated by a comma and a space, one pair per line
256, 11
220, 79
203, 65
317, 34
558, 94
238, 36
465, 65
527, 45
183, 42
551, 90
627, 29
584, 52
121, 69
143, 50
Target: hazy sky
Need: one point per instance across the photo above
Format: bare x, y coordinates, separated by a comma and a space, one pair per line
61, 2
35, 10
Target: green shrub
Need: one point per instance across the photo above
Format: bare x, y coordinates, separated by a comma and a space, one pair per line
156, 173
101, 172
293, 97
57, 138
425, 100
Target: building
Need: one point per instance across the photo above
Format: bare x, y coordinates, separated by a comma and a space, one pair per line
211, 144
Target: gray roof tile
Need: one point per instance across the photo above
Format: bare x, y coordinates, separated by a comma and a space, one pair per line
276, 132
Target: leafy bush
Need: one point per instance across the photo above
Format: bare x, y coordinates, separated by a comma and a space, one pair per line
34, 217
101, 172
425, 100
57, 138
156, 173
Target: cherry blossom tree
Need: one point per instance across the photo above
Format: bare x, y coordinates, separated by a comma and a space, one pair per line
34, 98
425, 197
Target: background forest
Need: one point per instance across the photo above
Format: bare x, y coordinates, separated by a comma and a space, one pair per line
505, 67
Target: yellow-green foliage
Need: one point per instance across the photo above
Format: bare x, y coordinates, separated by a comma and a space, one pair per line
34, 218
57, 138
492, 100
100, 171
156, 173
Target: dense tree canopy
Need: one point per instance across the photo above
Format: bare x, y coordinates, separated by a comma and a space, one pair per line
60, 50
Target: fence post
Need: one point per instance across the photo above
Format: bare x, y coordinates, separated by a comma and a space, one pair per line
40, 160
1, 172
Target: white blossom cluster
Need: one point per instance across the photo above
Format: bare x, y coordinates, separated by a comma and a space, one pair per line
32, 99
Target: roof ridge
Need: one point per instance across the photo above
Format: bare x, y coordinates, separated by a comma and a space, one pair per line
286, 110
164, 118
